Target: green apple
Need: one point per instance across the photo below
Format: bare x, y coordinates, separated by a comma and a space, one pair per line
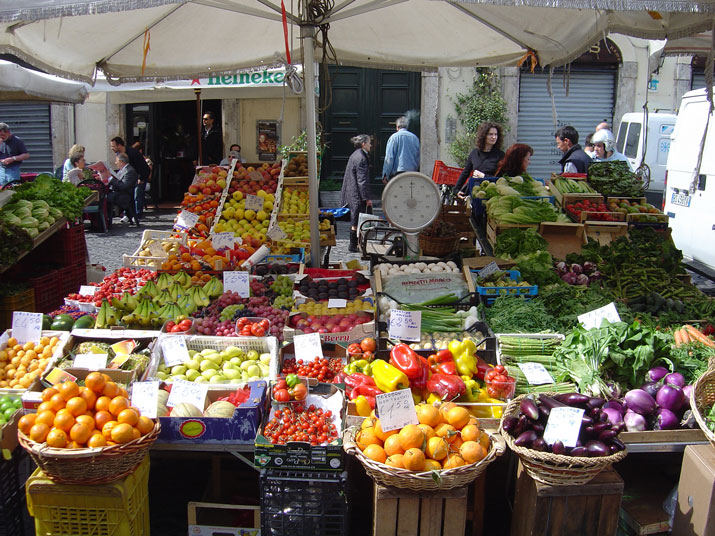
178, 369
265, 358
252, 354
207, 364
209, 373
192, 374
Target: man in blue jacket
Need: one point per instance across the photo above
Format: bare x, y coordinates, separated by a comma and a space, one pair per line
402, 152
12, 153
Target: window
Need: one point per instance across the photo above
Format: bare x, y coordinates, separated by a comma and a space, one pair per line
634, 134
621, 140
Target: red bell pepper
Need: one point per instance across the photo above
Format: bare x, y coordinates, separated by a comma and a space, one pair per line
364, 389
420, 384
356, 378
339, 377
482, 368
443, 363
404, 358
447, 387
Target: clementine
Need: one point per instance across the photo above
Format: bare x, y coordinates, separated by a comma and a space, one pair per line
411, 436
414, 459
56, 438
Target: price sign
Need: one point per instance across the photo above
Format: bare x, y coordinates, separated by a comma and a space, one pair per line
90, 361
536, 373
174, 350
254, 202
338, 303
237, 282
26, 327
156, 250
223, 240
189, 392
186, 220
489, 269
145, 397
308, 347
396, 409
405, 325
593, 319
255, 176
564, 425
276, 234
87, 290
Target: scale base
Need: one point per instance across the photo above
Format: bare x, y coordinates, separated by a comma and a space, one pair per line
412, 246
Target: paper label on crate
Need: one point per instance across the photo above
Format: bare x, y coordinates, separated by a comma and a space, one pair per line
396, 409
254, 202
124, 347
593, 319
536, 373
564, 425
145, 397
26, 327
237, 282
4, 338
117, 361
223, 240
405, 325
90, 361
156, 250
276, 234
189, 392
87, 290
338, 303
489, 269
308, 347
56, 376
186, 220
174, 350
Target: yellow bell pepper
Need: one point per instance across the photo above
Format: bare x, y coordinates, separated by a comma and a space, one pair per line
416, 397
432, 398
465, 356
388, 378
362, 406
488, 412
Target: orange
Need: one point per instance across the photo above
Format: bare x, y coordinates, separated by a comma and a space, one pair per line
87, 420
367, 437
122, 433
392, 445
472, 452
97, 440
473, 420
111, 389
437, 448
44, 406
395, 461
107, 429
444, 408
68, 390
74, 445
118, 404
95, 382
375, 453
88, 396
26, 422
470, 432
432, 465
39, 432
47, 393
46, 417
456, 442
367, 422
57, 438
452, 461
414, 459
427, 429
379, 432
64, 420
57, 402
101, 418
411, 436
77, 406
102, 403
428, 414
145, 425
123, 392
485, 441
136, 434
129, 416
81, 432
458, 417
446, 431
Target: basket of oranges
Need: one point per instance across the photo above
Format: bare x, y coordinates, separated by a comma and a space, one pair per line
87, 434
446, 450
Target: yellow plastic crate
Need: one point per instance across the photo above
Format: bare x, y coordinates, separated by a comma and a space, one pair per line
117, 509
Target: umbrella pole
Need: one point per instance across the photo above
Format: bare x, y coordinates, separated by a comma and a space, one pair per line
308, 36
198, 125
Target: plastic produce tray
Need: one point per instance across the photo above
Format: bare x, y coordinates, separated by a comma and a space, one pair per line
490, 294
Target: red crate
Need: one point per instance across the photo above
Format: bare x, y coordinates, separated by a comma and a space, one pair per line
444, 174
68, 246
48, 291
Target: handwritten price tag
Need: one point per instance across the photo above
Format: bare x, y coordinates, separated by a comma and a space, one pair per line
593, 319
156, 250
223, 240
276, 234
237, 282
174, 350
145, 397
90, 361
338, 303
536, 373
564, 425
26, 327
189, 392
186, 220
254, 202
87, 290
405, 325
308, 347
396, 409
489, 269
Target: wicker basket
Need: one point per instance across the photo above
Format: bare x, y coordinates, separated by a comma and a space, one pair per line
556, 469
702, 399
89, 465
437, 246
428, 480
711, 362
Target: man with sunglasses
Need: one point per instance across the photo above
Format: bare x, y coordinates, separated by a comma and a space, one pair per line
211, 141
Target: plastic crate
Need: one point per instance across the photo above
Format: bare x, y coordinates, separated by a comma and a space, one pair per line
490, 294
48, 291
304, 502
478, 206
444, 174
22, 301
14, 519
68, 246
118, 509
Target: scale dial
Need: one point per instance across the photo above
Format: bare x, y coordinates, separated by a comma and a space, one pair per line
411, 201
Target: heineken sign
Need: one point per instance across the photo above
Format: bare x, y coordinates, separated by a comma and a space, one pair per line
258, 78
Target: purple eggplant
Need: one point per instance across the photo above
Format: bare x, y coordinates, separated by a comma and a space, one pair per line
544, 411
615, 404
635, 422
573, 399
687, 391
539, 444
656, 374
528, 408
600, 427
579, 451
596, 402
538, 428
670, 397
509, 423
640, 402
613, 415
651, 388
606, 435
618, 443
597, 448
676, 379
586, 420
550, 402
525, 439
665, 420
558, 448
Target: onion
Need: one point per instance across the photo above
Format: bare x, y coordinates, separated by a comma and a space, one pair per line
614, 416
634, 421
576, 268
640, 402
665, 420
676, 379
670, 397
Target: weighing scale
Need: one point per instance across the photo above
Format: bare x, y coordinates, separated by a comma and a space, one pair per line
411, 201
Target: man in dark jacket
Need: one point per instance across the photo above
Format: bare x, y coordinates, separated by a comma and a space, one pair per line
575, 159
141, 168
122, 186
211, 141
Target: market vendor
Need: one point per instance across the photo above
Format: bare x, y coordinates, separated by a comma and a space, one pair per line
356, 185
12, 154
516, 160
483, 160
604, 144
575, 160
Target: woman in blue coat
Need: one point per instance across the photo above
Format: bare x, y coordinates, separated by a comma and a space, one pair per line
356, 185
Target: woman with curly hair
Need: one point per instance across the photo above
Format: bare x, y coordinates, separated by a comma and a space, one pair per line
483, 160
515, 161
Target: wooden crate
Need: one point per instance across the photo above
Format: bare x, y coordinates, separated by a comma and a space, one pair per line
605, 232
405, 513
462, 223
494, 229
588, 510
281, 216
563, 238
565, 198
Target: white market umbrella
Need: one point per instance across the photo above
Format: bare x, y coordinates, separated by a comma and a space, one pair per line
20, 84
131, 40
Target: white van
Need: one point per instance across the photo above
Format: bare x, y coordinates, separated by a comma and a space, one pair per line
690, 192
633, 141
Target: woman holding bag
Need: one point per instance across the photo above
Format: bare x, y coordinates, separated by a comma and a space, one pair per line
356, 185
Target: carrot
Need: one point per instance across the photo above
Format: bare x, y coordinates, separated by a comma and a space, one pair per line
684, 336
678, 338
698, 336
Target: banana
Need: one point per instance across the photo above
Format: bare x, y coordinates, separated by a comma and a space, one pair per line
200, 298
101, 321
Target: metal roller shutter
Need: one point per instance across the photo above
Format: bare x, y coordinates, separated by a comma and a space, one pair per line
30, 121
590, 100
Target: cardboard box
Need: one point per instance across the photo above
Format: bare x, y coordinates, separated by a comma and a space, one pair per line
212, 519
605, 232
563, 238
241, 428
8, 433
358, 333
696, 492
300, 455
495, 229
477, 263
330, 351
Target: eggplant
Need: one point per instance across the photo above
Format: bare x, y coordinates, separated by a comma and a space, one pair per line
607, 435
594, 413
550, 402
597, 448
528, 408
558, 448
656, 374
640, 402
539, 444
586, 420
687, 391
615, 442
544, 411
615, 404
509, 423
665, 420
635, 422
670, 397
573, 399
538, 428
600, 427
526, 439
602, 417
651, 388
613, 415
586, 432
579, 451
596, 402
675, 378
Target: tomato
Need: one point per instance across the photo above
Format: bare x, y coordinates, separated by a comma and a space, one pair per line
257, 330
281, 395
265, 323
300, 391
354, 349
281, 384
368, 344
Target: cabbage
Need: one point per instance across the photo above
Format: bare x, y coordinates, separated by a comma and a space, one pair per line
29, 221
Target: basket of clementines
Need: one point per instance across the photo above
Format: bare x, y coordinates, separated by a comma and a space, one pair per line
446, 450
87, 434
